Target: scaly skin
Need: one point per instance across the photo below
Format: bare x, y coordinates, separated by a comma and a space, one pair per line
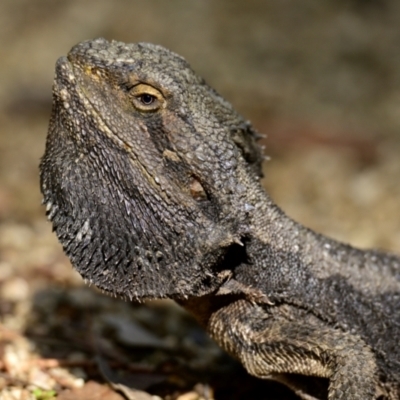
152, 183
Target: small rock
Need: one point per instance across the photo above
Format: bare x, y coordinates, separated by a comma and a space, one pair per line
15, 289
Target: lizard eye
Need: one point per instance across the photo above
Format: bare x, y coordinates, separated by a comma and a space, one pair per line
146, 98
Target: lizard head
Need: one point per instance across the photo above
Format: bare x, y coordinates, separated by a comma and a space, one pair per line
147, 172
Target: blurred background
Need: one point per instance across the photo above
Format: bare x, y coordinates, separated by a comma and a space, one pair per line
320, 78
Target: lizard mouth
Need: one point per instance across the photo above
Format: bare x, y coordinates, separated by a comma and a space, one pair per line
69, 89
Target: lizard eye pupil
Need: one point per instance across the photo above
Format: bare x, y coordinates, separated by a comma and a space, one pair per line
147, 99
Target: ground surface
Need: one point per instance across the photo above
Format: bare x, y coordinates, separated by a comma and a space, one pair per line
322, 79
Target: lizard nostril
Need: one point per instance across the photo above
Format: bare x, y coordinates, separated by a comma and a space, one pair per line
196, 190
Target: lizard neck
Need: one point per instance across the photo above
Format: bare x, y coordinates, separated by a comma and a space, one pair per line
288, 260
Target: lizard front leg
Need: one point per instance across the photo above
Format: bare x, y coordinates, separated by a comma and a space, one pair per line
271, 341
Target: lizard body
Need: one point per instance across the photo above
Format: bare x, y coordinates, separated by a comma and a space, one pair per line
152, 183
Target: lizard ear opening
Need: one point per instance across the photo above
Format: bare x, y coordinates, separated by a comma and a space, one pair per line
235, 255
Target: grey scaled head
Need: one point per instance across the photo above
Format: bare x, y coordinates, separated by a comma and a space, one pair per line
142, 167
